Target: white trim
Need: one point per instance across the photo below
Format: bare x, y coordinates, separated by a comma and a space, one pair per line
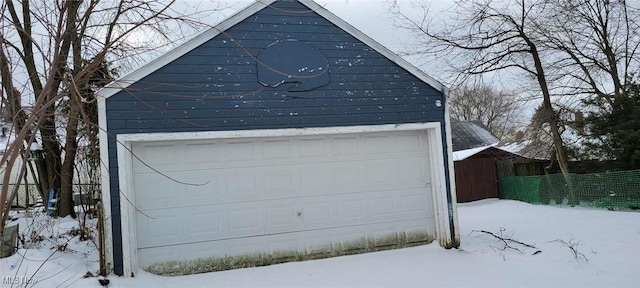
127, 208
439, 184
126, 141
175, 53
452, 180
105, 183
146, 137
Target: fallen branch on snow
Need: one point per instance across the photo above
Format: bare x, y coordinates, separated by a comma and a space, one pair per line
573, 246
507, 241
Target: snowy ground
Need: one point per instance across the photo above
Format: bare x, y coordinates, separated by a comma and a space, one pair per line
607, 244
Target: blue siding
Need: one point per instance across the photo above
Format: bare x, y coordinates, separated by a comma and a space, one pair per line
214, 87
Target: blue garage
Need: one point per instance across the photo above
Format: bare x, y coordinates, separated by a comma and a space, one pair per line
282, 128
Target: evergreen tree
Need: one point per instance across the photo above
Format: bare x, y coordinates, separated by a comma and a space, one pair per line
615, 127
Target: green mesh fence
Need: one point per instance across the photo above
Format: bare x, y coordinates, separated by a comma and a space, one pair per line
612, 190
523, 188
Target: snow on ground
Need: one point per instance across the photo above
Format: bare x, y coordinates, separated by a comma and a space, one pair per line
51, 253
607, 244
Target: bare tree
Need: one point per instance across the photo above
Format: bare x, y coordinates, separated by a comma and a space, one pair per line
490, 36
54, 55
597, 43
497, 110
539, 140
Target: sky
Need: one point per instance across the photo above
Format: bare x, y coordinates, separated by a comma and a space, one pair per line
373, 17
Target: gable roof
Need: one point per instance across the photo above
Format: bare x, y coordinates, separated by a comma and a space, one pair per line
490, 151
471, 134
175, 53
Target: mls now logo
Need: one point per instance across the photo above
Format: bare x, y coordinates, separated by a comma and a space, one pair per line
16, 280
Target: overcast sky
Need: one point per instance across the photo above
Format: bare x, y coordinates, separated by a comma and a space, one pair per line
373, 17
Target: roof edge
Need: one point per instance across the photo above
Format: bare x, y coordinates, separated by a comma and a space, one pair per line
178, 51
375, 45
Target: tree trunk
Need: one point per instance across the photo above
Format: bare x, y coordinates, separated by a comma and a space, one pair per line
71, 147
552, 119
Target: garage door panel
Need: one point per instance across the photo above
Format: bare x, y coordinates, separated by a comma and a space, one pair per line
204, 223
379, 172
226, 154
242, 183
316, 212
411, 170
410, 143
383, 206
314, 179
148, 195
158, 191
281, 217
411, 204
149, 233
378, 144
312, 147
155, 154
348, 175
346, 145
277, 149
215, 222
351, 210
246, 220
239, 151
282, 182
206, 153
262, 192
300, 241
252, 184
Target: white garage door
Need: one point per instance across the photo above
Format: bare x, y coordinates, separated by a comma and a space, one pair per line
222, 197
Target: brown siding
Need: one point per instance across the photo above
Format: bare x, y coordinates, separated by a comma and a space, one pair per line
476, 179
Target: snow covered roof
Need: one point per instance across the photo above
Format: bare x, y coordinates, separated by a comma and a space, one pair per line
515, 147
490, 151
464, 154
471, 134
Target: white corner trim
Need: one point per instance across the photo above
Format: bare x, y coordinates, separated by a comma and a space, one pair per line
124, 156
127, 209
176, 52
105, 184
439, 185
364, 38
452, 180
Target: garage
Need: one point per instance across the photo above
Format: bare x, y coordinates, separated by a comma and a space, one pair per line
227, 197
281, 129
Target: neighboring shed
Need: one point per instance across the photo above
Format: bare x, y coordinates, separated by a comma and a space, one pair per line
282, 128
478, 162
477, 171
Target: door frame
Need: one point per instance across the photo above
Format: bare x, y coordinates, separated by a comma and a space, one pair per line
125, 142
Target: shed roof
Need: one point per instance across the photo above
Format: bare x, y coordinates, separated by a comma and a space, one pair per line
126, 80
471, 134
490, 151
